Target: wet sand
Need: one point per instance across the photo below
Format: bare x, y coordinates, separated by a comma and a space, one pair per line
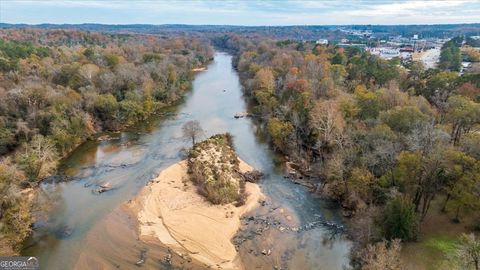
114, 243
170, 209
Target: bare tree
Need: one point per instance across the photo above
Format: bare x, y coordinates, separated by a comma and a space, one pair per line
383, 255
192, 130
468, 252
88, 71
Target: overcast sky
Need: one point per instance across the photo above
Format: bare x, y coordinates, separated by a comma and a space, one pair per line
249, 12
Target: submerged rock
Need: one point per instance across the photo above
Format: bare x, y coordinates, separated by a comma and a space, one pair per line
64, 232
252, 176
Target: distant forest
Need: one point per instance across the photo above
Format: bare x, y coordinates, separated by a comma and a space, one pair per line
307, 32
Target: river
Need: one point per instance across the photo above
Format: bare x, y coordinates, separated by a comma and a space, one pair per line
132, 158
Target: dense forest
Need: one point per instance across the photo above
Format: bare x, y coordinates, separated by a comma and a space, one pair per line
297, 32
59, 88
383, 140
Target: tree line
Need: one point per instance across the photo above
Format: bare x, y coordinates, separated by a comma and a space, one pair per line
383, 140
59, 88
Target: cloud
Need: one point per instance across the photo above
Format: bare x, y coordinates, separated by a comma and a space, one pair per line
273, 12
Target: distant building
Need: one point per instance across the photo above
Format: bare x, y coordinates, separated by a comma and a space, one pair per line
407, 49
322, 42
344, 40
415, 36
385, 52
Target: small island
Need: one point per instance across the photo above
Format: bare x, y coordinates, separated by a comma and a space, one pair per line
194, 206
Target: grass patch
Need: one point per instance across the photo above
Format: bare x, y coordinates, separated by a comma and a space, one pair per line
442, 244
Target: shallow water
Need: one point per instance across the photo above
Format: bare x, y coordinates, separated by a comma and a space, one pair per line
134, 157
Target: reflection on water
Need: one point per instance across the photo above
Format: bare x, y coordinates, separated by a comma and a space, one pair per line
127, 161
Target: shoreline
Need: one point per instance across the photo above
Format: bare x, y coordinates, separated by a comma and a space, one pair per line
170, 210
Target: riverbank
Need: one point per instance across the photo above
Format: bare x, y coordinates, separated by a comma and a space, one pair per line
61, 173
170, 210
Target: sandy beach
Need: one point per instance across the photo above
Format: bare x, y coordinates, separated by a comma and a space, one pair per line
170, 209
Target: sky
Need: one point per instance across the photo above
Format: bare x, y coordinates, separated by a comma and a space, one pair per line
247, 12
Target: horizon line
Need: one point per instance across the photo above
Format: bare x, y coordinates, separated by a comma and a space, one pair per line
235, 25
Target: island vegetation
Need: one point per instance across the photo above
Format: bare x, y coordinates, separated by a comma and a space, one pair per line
194, 206
214, 168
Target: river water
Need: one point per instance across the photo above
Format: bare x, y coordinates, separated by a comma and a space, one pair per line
132, 158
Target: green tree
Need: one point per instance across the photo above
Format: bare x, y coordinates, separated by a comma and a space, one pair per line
279, 131
367, 102
450, 57
106, 107
339, 59
463, 114
399, 220
462, 177
419, 177
439, 86
7, 139
403, 119
360, 183
112, 60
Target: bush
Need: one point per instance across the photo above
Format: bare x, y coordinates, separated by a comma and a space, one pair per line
399, 220
214, 168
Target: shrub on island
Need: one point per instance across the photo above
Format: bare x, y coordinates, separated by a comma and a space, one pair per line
214, 168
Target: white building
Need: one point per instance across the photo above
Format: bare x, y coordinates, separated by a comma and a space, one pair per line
322, 42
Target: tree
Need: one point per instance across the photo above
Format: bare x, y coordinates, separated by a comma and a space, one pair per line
327, 122
367, 102
38, 157
7, 139
339, 59
399, 220
192, 130
379, 148
88, 71
438, 88
403, 119
263, 86
468, 252
279, 131
383, 256
15, 215
106, 107
424, 137
462, 179
469, 90
419, 177
360, 183
450, 57
264, 80
470, 144
463, 114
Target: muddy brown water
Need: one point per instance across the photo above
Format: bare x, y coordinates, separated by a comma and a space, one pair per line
294, 227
